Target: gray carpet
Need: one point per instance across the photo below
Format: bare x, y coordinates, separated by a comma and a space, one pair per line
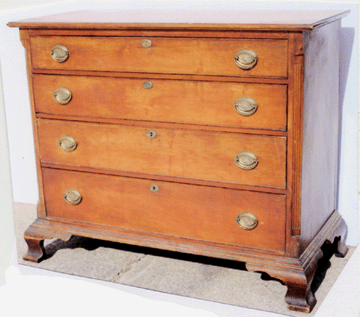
170, 272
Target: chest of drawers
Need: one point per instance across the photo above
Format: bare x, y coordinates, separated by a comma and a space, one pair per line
217, 138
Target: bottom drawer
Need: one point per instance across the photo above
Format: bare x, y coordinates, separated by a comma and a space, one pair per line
173, 209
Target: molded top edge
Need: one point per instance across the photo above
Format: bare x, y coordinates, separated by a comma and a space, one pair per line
277, 20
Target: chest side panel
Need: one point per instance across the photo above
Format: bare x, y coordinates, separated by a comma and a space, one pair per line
320, 128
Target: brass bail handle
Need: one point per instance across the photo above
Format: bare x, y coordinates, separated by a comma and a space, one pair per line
246, 59
62, 95
72, 197
60, 53
247, 220
246, 106
246, 160
67, 143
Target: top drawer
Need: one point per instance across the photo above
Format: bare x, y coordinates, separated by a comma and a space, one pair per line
163, 55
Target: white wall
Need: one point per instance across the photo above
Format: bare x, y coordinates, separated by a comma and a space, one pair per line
18, 109
7, 234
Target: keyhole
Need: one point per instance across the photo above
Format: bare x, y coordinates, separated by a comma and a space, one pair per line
154, 188
151, 134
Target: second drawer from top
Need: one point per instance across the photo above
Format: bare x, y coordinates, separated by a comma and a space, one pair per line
240, 105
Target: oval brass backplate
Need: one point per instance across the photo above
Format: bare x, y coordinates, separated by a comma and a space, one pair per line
246, 106
246, 59
246, 160
60, 53
62, 95
72, 197
247, 220
67, 143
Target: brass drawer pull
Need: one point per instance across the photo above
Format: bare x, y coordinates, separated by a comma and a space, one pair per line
147, 84
247, 220
154, 188
72, 197
67, 143
60, 53
146, 43
62, 95
151, 134
246, 59
246, 160
245, 106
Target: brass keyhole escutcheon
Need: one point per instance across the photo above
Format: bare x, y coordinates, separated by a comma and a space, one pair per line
72, 197
247, 220
246, 106
67, 143
151, 134
154, 188
146, 43
246, 160
62, 95
60, 53
246, 59
147, 84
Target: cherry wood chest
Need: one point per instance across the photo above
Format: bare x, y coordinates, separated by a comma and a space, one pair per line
210, 134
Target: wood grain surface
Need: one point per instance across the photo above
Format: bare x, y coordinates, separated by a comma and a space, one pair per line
165, 55
194, 212
177, 101
182, 153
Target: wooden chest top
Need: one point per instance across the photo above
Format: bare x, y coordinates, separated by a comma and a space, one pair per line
281, 20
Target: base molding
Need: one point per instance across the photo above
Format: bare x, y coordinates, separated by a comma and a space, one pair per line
34, 237
299, 296
296, 273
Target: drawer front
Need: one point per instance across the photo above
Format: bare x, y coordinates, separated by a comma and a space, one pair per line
194, 102
182, 153
165, 55
188, 211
